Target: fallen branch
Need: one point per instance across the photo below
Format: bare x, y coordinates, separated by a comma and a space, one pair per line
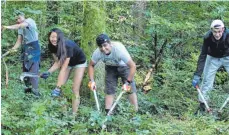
5, 54
7, 73
153, 68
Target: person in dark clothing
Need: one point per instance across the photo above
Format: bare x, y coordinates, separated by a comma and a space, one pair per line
28, 38
214, 54
68, 56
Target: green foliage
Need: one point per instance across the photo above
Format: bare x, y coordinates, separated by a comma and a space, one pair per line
221, 77
53, 116
167, 109
137, 53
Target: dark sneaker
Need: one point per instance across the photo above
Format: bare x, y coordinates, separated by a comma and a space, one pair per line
36, 92
112, 113
201, 109
56, 93
27, 90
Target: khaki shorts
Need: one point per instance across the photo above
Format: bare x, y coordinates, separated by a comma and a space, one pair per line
112, 75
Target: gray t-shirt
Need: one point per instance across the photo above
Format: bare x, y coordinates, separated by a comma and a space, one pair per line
29, 33
119, 56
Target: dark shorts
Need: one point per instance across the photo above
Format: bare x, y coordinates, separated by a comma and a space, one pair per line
111, 78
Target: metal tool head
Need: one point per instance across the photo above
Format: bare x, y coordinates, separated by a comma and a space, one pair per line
28, 74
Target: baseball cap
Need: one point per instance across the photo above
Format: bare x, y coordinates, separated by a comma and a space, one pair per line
217, 24
102, 38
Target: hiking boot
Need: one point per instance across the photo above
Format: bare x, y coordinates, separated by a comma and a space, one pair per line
201, 109
27, 90
112, 113
36, 92
56, 93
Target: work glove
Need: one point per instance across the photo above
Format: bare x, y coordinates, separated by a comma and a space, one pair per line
127, 86
92, 85
195, 81
45, 75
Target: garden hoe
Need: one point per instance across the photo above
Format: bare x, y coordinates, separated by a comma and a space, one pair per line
205, 102
28, 74
112, 108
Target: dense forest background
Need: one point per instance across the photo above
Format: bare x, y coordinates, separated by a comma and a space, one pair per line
164, 39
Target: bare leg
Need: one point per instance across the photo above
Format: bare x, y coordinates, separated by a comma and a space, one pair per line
63, 77
78, 76
109, 99
133, 100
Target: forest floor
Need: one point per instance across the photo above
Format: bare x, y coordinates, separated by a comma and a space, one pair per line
25, 114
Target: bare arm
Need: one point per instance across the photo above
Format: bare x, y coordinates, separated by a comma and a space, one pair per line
18, 42
55, 66
16, 26
62, 74
132, 66
91, 70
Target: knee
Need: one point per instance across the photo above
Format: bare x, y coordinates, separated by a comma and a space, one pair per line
75, 92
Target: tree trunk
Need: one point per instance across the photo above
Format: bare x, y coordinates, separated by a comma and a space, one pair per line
137, 11
93, 25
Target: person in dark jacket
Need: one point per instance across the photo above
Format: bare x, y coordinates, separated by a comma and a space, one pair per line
68, 56
214, 54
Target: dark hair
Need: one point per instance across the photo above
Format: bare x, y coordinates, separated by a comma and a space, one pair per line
60, 49
102, 38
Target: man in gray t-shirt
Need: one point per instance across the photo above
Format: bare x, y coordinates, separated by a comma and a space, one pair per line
118, 64
28, 38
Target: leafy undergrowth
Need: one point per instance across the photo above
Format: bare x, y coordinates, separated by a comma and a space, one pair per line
167, 109
25, 114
